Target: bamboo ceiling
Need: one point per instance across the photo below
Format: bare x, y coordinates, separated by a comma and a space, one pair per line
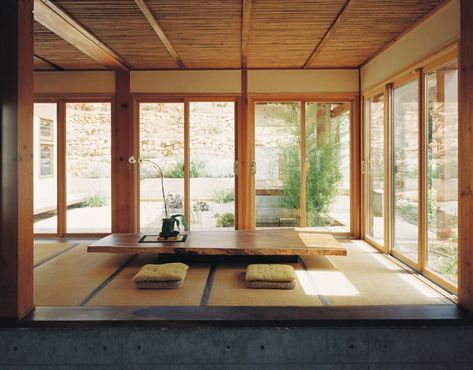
58, 52
207, 34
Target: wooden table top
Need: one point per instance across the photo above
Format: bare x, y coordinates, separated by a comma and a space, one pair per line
234, 242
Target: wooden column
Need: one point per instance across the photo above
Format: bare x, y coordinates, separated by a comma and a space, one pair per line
465, 154
187, 164
355, 147
246, 194
303, 178
123, 181
16, 220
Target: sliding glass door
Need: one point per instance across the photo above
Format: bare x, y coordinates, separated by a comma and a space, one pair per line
420, 226
194, 145
88, 167
162, 144
374, 168
212, 158
441, 95
406, 154
328, 166
45, 168
277, 155
303, 165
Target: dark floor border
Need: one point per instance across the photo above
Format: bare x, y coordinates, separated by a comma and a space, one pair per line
208, 285
112, 316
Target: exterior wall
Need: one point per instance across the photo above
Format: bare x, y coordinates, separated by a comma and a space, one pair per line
440, 30
329, 347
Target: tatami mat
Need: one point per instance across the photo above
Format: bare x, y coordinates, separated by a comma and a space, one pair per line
229, 289
45, 250
121, 290
367, 277
363, 277
70, 277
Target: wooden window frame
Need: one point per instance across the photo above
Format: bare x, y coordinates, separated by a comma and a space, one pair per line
381, 91
403, 80
186, 100
355, 162
436, 65
416, 71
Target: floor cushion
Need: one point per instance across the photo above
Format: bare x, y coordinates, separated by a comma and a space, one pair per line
162, 276
270, 276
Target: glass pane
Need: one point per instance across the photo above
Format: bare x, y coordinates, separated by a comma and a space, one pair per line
162, 143
406, 169
45, 174
88, 167
328, 166
442, 172
212, 155
278, 164
375, 168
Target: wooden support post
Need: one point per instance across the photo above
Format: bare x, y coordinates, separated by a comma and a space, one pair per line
388, 160
355, 146
245, 179
465, 152
187, 164
123, 189
16, 220
61, 169
303, 181
422, 237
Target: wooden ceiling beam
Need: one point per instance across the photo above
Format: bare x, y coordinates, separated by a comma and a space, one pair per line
245, 31
160, 32
342, 15
49, 63
62, 24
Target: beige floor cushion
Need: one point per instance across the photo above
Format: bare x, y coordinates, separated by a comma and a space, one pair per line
270, 276
162, 276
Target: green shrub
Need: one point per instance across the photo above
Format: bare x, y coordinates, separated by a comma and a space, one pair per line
323, 156
226, 220
221, 196
450, 265
95, 201
197, 169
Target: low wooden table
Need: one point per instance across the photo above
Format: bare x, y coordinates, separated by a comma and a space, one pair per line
235, 242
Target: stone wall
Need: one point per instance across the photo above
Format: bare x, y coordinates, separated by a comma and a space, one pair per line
88, 140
